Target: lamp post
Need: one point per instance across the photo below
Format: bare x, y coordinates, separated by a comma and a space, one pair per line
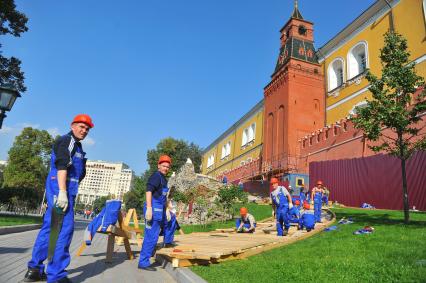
8, 95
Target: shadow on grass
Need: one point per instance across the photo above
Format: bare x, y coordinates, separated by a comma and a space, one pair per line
380, 218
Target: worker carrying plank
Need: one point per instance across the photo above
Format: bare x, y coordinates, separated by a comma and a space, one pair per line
67, 170
246, 223
155, 210
281, 203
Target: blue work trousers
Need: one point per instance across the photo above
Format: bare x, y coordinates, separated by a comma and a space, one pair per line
61, 259
282, 220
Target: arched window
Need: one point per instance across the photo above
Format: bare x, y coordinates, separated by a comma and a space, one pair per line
335, 74
361, 104
357, 59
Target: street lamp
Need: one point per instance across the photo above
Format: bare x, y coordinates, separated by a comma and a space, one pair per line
8, 95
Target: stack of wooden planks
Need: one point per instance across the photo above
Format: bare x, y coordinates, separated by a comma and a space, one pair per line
225, 244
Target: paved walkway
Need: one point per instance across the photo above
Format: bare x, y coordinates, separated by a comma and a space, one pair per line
15, 252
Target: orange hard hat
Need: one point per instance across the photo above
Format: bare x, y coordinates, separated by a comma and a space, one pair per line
274, 180
319, 182
83, 118
306, 205
297, 202
243, 211
164, 158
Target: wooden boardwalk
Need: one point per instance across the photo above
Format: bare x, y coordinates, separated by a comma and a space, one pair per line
15, 252
225, 244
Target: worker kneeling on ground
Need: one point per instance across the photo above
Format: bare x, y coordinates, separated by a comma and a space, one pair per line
294, 213
307, 218
246, 223
281, 203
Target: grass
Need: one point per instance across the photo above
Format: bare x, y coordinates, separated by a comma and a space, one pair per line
259, 212
10, 220
395, 252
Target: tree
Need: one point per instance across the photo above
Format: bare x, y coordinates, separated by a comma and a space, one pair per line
28, 161
11, 22
228, 197
136, 197
178, 150
394, 107
99, 203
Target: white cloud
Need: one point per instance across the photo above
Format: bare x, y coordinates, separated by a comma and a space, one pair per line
54, 132
6, 130
88, 141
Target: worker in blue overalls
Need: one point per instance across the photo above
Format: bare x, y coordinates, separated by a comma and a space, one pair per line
304, 195
316, 196
307, 218
154, 210
67, 169
246, 223
281, 203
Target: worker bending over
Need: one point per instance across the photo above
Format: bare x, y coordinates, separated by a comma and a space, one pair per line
281, 203
307, 218
246, 223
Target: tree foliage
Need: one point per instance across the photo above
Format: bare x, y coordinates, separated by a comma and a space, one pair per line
28, 160
99, 203
229, 198
394, 107
136, 197
178, 150
11, 22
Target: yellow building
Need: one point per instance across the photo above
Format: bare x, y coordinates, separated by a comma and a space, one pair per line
344, 60
237, 146
347, 56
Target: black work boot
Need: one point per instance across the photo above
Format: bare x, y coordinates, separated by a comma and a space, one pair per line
285, 232
33, 275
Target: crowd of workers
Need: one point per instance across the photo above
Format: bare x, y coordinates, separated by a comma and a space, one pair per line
67, 170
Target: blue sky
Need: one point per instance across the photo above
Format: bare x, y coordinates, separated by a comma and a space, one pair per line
146, 70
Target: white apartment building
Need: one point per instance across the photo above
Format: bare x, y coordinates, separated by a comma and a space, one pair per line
105, 178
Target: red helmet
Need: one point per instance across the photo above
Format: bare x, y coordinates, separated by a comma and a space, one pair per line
319, 182
83, 118
306, 205
274, 180
164, 158
297, 202
243, 211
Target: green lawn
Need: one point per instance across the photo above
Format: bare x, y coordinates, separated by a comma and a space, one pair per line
259, 212
395, 252
9, 220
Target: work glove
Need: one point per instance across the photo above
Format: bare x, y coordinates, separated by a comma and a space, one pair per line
240, 228
245, 229
62, 200
312, 202
273, 213
148, 213
168, 215
290, 205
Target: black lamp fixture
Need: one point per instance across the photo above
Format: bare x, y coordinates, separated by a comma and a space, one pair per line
8, 95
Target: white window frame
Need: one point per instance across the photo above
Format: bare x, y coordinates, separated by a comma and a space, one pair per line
332, 70
353, 62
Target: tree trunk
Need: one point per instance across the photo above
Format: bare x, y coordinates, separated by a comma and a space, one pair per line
405, 193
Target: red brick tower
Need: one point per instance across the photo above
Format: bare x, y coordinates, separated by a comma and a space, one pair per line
294, 99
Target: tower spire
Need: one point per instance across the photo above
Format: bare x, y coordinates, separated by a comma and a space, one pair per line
296, 14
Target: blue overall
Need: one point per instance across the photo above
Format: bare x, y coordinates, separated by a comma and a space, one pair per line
294, 215
317, 206
56, 267
153, 228
325, 199
169, 229
281, 212
307, 220
246, 223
